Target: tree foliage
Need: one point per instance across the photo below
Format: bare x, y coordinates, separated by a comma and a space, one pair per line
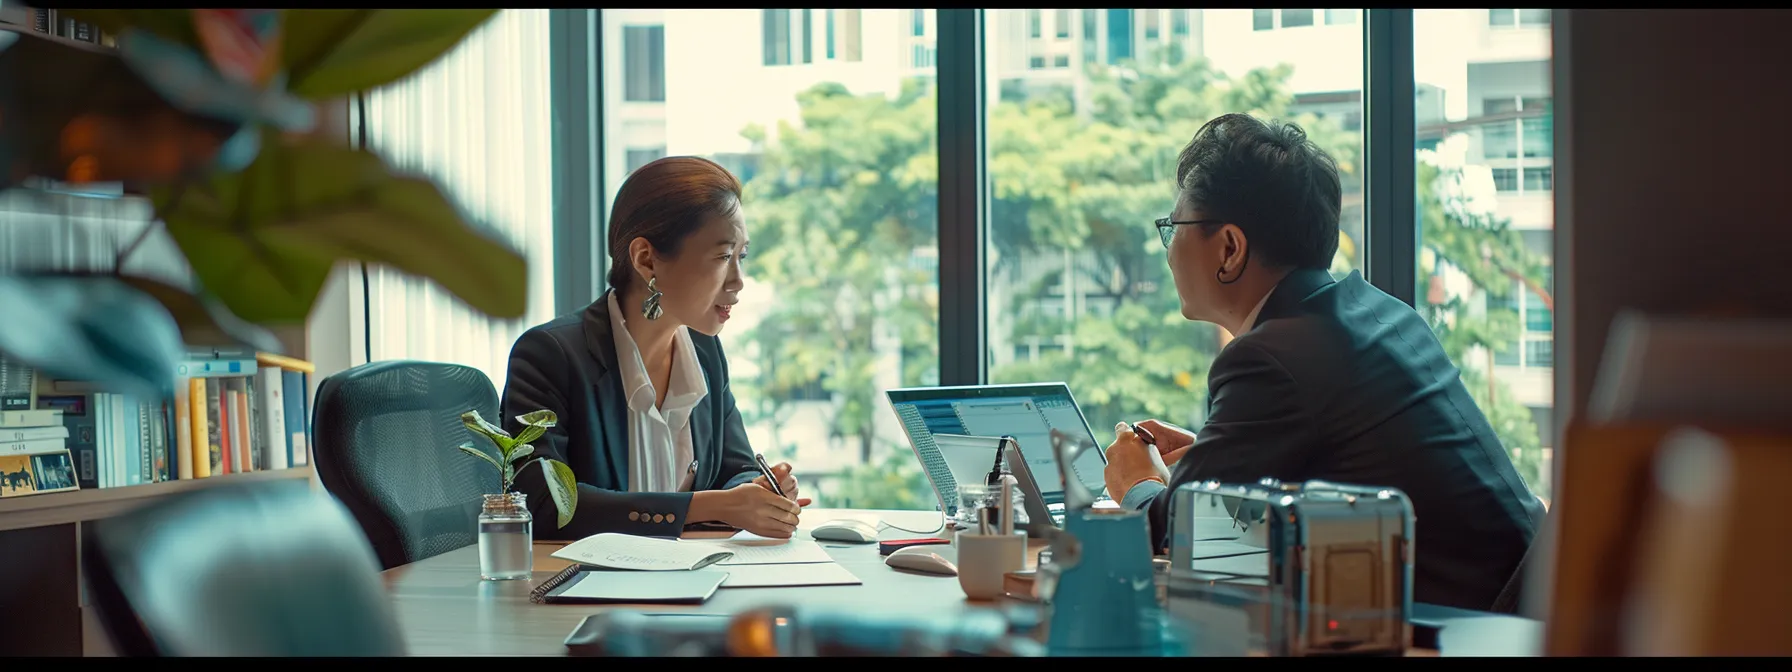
845, 209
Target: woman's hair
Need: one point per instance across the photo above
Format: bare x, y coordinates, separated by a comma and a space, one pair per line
664, 201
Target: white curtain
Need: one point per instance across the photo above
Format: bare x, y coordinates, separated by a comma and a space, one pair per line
478, 122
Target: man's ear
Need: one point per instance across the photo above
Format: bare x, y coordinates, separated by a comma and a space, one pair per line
642, 257
1235, 249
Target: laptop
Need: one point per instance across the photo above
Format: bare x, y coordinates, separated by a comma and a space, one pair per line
1027, 412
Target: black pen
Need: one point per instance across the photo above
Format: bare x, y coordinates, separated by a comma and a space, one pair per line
769, 478
1144, 435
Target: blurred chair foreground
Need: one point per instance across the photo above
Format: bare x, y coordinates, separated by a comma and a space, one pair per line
263, 569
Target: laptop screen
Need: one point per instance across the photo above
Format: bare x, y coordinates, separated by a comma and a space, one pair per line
1026, 412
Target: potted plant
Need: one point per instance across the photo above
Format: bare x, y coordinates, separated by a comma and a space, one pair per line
506, 540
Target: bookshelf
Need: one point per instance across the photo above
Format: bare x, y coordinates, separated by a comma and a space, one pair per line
61, 508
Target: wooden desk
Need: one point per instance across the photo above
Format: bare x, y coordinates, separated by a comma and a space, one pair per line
445, 609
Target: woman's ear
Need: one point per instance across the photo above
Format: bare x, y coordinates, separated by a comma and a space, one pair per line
641, 256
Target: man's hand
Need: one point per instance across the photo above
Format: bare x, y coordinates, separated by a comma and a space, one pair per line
1172, 442
1130, 461
785, 481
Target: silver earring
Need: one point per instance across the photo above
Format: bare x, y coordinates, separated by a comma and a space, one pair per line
651, 307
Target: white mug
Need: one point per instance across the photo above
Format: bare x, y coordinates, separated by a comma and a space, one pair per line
984, 558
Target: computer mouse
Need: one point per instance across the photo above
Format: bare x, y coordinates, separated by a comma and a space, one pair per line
922, 559
845, 529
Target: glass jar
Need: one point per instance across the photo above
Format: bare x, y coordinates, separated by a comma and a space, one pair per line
506, 538
973, 496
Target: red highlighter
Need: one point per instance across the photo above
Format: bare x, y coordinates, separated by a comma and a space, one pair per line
888, 547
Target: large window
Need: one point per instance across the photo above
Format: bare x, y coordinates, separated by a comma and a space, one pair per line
1485, 187
840, 170
1078, 287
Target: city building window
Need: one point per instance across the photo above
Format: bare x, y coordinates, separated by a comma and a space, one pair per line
1119, 35
777, 36
1061, 23
1036, 62
1263, 19
1091, 29
1297, 18
1034, 19
1340, 17
851, 22
808, 36
1061, 61
1515, 18
635, 158
1539, 179
1153, 23
644, 49
1505, 179
828, 32
1179, 22
920, 22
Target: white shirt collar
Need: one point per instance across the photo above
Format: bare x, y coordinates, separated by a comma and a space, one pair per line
1251, 319
686, 385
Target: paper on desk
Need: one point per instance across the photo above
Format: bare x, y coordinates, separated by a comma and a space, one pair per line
807, 574
760, 551
624, 551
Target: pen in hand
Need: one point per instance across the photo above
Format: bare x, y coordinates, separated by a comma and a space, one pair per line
769, 478
1143, 435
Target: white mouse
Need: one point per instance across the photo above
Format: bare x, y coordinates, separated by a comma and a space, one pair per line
923, 559
845, 529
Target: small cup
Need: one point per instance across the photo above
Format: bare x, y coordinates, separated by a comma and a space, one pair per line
984, 558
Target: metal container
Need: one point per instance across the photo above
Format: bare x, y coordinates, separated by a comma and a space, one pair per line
1291, 569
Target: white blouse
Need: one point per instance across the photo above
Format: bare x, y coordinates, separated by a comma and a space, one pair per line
660, 456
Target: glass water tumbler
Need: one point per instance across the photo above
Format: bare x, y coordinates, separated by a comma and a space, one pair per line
506, 538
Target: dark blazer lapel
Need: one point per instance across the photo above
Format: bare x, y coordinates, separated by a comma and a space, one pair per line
703, 438
612, 406
1294, 288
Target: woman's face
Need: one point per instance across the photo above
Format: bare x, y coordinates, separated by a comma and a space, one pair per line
700, 286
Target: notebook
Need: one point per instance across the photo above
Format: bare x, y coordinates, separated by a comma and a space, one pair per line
626, 551
581, 585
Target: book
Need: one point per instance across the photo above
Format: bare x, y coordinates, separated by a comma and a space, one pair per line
611, 550
580, 585
36, 474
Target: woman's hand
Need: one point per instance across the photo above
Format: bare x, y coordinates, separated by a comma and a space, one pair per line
785, 481
750, 507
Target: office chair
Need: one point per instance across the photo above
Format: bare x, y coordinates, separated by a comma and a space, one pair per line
258, 569
384, 437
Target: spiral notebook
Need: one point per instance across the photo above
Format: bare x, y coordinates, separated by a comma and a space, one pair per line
626, 551
578, 584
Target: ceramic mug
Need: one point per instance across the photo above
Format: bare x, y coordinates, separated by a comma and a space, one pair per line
984, 558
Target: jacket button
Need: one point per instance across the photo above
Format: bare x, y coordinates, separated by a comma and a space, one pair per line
659, 518
633, 516
671, 518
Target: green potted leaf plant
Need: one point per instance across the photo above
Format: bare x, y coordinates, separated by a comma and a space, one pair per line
506, 539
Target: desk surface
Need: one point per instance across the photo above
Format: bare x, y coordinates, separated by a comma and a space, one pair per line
445, 609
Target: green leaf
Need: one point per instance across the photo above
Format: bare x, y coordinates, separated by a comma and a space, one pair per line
529, 433
202, 318
337, 52
265, 240
470, 450
521, 451
543, 419
478, 424
174, 24
563, 486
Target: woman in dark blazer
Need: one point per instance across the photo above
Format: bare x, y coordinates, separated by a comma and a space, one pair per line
647, 420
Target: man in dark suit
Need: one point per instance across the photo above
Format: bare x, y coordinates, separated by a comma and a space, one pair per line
1328, 380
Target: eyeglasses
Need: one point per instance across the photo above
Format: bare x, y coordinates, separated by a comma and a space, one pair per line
1166, 228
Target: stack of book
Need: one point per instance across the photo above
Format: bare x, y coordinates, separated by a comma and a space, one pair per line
34, 454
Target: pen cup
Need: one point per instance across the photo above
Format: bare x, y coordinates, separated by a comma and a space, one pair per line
983, 559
